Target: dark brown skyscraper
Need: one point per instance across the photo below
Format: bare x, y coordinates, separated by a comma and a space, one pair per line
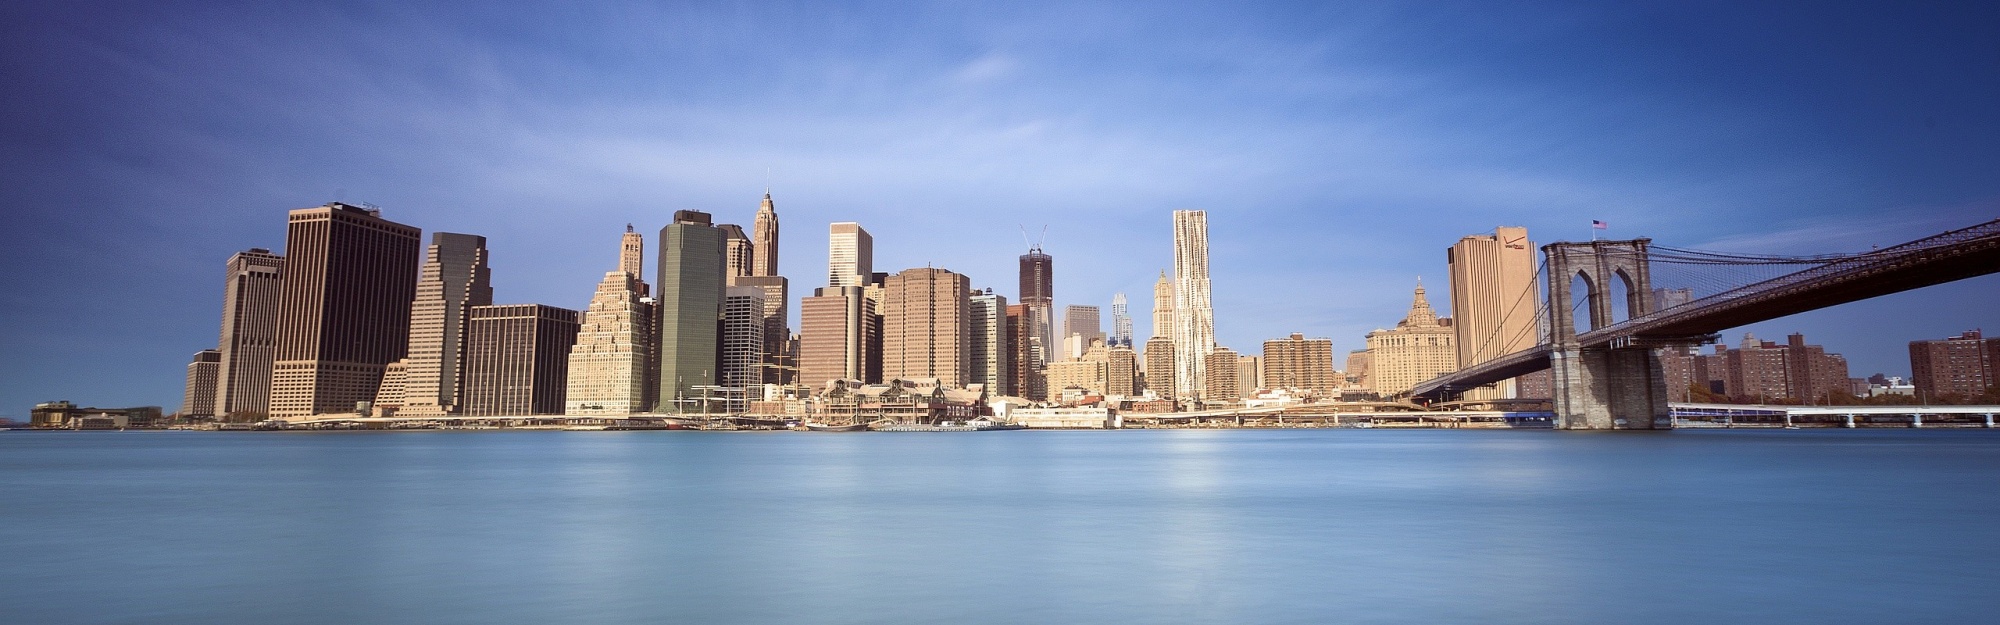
344, 307
517, 359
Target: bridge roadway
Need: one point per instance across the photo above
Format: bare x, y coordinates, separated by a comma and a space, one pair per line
1947, 257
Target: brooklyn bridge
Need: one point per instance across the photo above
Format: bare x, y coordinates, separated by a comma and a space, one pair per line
1635, 297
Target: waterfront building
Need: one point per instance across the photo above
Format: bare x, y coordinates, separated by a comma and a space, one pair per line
925, 326
609, 365
454, 278
1965, 365
764, 239
1160, 367
776, 322
1493, 281
249, 335
1029, 382
199, 398
1493, 301
1222, 384
66, 415
693, 274
344, 307
517, 359
742, 363
1419, 348
1300, 363
1194, 317
1089, 374
1121, 371
991, 354
1358, 365
1121, 323
389, 394
1081, 320
1163, 307
836, 328
1757, 370
850, 255
1249, 375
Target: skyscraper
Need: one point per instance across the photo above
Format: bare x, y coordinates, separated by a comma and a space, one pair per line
199, 398
1194, 318
632, 254
764, 239
689, 306
1163, 307
1081, 320
1419, 348
1300, 363
743, 336
1249, 375
991, 354
517, 359
1222, 384
249, 335
1493, 300
454, 279
344, 307
1026, 382
835, 328
925, 326
738, 257
1121, 371
850, 255
777, 324
1038, 294
1160, 366
609, 364
1121, 323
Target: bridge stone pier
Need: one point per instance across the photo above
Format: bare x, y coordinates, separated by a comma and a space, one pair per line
1613, 387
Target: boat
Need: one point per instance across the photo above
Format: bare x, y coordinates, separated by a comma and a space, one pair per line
851, 427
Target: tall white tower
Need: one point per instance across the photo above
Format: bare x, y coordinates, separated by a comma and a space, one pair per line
1194, 316
1121, 322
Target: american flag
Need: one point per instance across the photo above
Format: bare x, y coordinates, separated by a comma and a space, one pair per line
1599, 225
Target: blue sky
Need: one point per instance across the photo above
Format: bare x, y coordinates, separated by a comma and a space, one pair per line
1338, 147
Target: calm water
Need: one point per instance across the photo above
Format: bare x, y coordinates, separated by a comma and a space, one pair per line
1004, 527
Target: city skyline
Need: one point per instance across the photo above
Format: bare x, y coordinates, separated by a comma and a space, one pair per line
1273, 228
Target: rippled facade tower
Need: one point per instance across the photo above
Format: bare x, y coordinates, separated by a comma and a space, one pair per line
1194, 316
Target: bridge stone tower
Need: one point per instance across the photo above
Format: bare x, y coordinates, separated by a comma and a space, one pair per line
1614, 385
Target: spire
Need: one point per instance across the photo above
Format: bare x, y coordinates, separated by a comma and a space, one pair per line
628, 227
1420, 309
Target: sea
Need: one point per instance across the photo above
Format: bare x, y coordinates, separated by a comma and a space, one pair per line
1134, 526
